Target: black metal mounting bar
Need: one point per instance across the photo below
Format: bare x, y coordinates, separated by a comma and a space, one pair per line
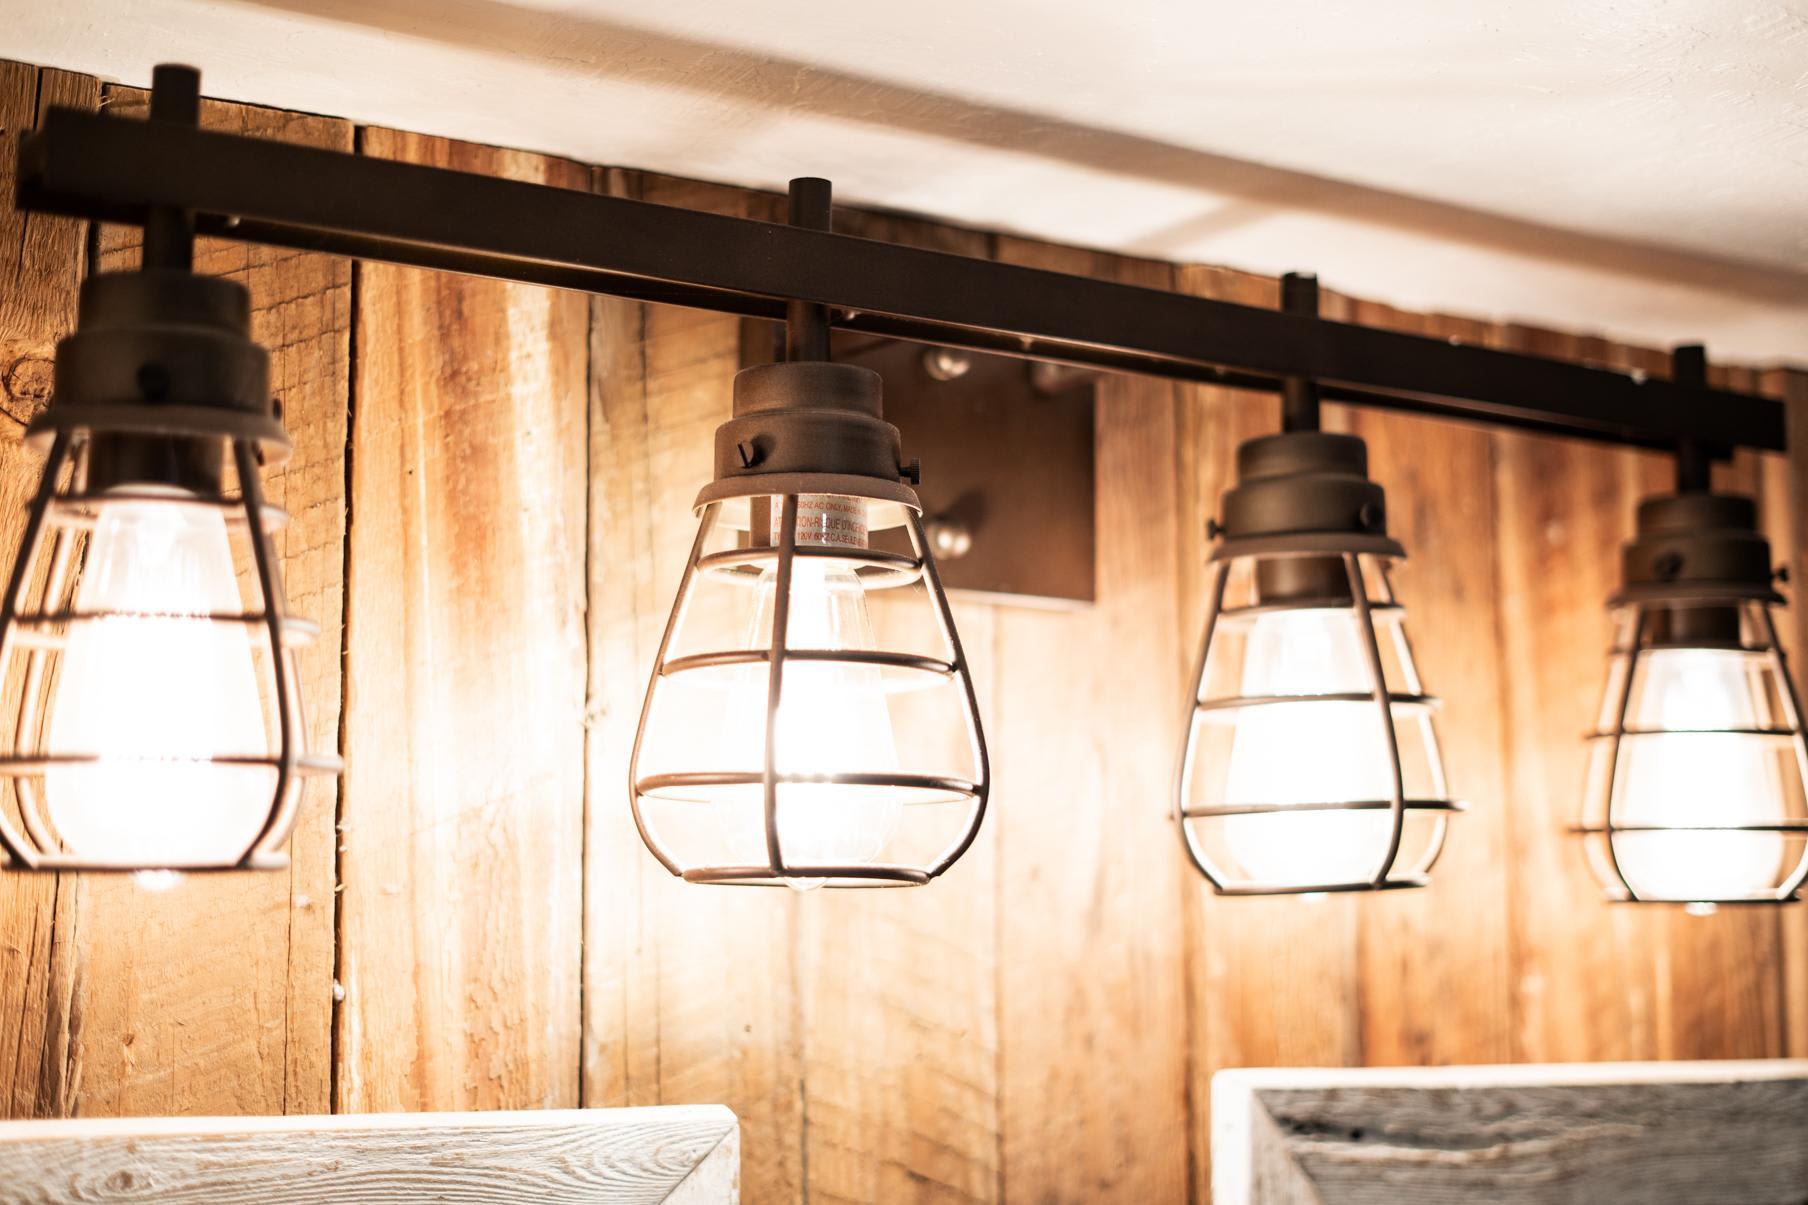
260, 191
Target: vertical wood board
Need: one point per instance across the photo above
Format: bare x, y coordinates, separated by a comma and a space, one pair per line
41, 265
1092, 994
461, 864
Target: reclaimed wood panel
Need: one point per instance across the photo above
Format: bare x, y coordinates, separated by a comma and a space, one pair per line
613, 1156
1784, 508
1091, 990
1712, 1133
1583, 975
41, 266
692, 993
1435, 975
461, 852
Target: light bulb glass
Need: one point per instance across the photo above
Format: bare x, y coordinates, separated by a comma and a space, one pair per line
832, 719
1700, 776
1312, 751
153, 691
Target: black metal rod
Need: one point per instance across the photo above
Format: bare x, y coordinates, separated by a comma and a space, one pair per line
261, 191
169, 230
806, 322
1694, 463
1299, 395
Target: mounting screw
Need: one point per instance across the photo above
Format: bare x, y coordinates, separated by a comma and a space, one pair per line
912, 471
1213, 528
1780, 573
276, 408
1049, 378
750, 454
946, 363
1372, 517
1667, 565
949, 539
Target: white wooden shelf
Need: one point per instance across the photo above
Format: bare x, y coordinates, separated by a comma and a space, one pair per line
679, 1155
1708, 1133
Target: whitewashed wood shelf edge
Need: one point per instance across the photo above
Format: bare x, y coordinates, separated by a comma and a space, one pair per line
679, 1154
1701, 1133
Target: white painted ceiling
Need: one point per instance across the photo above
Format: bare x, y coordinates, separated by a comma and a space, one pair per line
1635, 167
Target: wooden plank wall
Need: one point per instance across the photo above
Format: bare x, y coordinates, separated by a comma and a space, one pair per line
493, 486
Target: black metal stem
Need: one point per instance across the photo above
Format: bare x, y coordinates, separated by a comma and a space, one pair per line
1299, 395
1694, 465
169, 232
807, 324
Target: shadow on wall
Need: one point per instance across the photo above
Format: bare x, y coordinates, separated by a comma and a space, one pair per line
614, 49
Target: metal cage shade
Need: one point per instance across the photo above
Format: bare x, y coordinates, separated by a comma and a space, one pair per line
1311, 763
1697, 768
811, 718
119, 754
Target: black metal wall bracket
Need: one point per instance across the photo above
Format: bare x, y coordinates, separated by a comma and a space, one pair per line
262, 191
1008, 486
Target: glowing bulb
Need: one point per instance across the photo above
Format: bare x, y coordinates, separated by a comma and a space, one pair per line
152, 692
1698, 777
832, 717
1312, 751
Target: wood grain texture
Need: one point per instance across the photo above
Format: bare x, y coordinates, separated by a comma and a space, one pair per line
617, 1156
41, 263
1784, 506
149, 1018
463, 832
1584, 971
692, 994
1091, 989
1435, 975
1697, 1134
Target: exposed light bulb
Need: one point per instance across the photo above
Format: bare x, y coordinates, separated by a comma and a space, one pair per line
1698, 777
153, 691
1312, 751
832, 717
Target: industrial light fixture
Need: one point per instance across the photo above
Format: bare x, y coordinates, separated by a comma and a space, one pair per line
156, 721
811, 718
1695, 786
1310, 761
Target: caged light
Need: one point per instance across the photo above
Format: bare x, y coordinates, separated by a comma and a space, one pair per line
811, 718
1695, 783
1310, 761
156, 718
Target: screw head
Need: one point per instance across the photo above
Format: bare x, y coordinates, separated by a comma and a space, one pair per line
946, 363
912, 471
1667, 565
949, 538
